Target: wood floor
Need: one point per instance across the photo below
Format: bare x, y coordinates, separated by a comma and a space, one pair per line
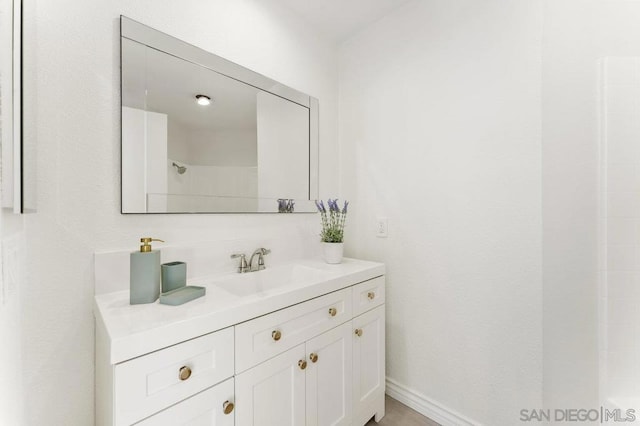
397, 414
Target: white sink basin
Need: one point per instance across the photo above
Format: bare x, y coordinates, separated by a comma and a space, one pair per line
272, 279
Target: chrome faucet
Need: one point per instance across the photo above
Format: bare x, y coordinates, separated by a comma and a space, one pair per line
248, 266
243, 267
261, 252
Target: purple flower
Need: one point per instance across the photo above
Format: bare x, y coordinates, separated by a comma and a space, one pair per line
332, 221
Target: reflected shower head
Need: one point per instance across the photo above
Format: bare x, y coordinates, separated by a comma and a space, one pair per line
181, 169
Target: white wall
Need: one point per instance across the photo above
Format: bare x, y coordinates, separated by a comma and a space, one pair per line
74, 46
155, 139
177, 141
440, 132
578, 34
11, 351
223, 147
281, 125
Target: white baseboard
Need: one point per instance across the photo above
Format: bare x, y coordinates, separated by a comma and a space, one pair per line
426, 406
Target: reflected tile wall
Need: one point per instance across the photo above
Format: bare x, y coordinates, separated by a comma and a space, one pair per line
213, 188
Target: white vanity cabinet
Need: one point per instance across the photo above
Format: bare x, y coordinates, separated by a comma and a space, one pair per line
316, 360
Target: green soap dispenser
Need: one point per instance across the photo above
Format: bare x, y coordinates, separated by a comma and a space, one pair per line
144, 274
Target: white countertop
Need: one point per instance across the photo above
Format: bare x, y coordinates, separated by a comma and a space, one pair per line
134, 330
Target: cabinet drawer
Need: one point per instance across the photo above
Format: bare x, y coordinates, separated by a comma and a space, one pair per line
206, 408
367, 295
146, 385
262, 338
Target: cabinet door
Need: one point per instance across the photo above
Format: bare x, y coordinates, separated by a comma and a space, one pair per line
329, 378
272, 393
208, 408
368, 365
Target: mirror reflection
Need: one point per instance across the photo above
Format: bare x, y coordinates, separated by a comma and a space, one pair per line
196, 140
16, 169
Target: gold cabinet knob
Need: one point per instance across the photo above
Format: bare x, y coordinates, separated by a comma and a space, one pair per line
313, 357
358, 332
227, 406
302, 364
333, 312
276, 335
185, 372
371, 295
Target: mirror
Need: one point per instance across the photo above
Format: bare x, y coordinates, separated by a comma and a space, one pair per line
10, 104
201, 134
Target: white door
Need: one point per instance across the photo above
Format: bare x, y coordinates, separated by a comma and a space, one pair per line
368, 365
212, 407
272, 393
329, 376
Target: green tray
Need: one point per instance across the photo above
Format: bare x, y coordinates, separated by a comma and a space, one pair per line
182, 295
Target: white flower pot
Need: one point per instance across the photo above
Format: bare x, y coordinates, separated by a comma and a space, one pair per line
333, 252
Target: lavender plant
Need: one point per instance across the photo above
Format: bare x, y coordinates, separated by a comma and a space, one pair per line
332, 220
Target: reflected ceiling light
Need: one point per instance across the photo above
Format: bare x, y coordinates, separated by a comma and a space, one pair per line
203, 100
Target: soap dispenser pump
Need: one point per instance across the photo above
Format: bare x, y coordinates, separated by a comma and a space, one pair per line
144, 273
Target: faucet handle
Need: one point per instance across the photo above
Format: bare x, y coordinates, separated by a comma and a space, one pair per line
244, 267
263, 252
